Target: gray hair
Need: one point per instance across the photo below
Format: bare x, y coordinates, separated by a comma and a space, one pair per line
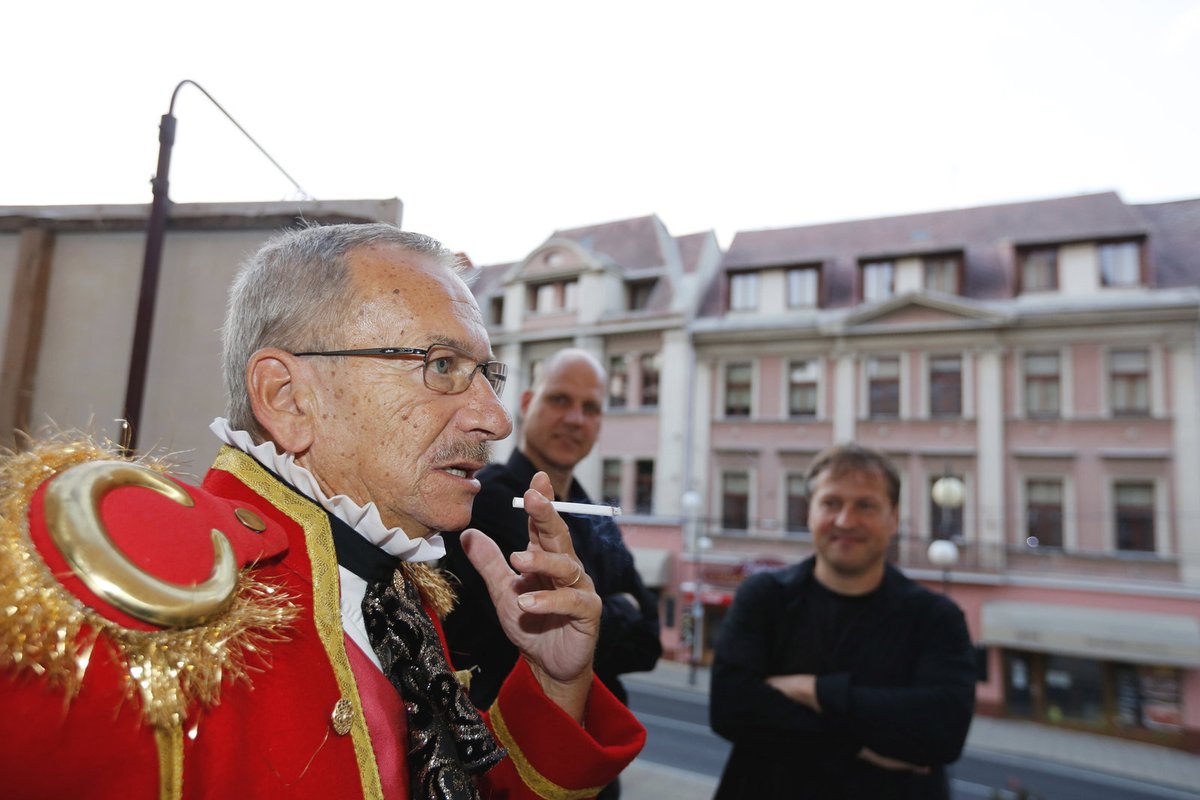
294, 294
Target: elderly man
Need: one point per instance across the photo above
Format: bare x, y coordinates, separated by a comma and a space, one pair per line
560, 422
275, 632
839, 677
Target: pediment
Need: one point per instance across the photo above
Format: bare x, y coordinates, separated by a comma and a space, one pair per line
919, 310
556, 258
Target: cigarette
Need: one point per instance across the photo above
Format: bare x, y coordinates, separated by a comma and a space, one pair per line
576, 508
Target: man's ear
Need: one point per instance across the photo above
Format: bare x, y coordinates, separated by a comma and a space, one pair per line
280, 398
526, 396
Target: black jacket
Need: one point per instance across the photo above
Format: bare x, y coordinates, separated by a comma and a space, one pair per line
629, 633
897, 678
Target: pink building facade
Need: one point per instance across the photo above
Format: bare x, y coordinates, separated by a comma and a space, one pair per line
1043, 354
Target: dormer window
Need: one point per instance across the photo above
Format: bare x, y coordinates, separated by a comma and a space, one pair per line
802, 283
942, 274
878, 280
638, 293
1039, 269
1120, 264
743, 291
553, 297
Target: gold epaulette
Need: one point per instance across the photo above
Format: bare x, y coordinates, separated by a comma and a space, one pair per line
46, 630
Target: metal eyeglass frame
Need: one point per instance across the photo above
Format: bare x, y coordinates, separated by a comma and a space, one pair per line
494, 372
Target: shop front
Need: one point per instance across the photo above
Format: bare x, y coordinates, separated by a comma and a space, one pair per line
1121, 673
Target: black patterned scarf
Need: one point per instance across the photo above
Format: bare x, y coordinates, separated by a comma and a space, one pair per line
448, 740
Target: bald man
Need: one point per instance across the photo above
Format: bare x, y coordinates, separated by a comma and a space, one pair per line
560, 422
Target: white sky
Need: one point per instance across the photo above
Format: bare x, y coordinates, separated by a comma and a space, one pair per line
498, 123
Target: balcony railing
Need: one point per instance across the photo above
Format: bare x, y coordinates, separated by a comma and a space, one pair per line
911, 551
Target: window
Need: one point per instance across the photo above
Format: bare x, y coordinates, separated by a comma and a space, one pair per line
1044, 513
1074, 689
535, 369
1129, 382
610, 481
618, 380
883, 386
1041, 385
496, 306
1120, 264
638, 293
743, 291
1039, 269
945, 386
547, 298
643, 498
802, 389
878, 281
796, 513
802, 287
650, 367
942, 274
1134, 515
735, 501
737, 389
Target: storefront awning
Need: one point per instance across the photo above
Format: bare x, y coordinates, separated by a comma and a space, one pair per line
1136, 637
653, 565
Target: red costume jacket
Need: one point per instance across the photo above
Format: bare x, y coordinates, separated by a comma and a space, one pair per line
263, 697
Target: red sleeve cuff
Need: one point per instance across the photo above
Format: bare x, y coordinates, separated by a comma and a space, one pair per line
554, 756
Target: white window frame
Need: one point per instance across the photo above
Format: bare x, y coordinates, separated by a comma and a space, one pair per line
1162, 519
818, 367
1122, 262
864, 387
869, 288
744, 291
1070, 531
723, 382
751, 498
811, 279
1066, 385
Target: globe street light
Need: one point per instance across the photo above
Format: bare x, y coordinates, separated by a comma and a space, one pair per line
948, 493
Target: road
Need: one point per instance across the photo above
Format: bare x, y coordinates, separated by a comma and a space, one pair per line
678, 736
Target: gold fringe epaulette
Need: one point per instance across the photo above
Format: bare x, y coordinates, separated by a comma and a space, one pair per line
432, 584
47, 631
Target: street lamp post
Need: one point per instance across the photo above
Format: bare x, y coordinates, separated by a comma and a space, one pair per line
156, 226
697, 656
691, 508
948, 493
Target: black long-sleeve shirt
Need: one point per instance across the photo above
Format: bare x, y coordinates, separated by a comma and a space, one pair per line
895, 673
629, 631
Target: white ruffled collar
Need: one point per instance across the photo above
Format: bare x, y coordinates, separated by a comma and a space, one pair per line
364, 519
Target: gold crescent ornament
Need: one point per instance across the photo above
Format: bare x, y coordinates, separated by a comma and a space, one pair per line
72, 507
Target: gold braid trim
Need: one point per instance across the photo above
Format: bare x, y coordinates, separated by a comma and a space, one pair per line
170, 762
327, 607
539, 783
42, 624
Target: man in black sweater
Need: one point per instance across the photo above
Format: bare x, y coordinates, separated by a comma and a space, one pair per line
839, 678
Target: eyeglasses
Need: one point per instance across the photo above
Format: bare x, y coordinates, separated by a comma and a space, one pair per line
446, 369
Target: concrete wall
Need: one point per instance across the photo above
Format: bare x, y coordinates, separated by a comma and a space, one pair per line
90, 313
